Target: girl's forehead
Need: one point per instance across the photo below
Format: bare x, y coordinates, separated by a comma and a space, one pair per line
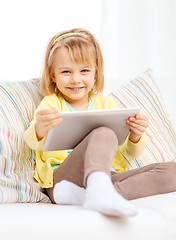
81, 56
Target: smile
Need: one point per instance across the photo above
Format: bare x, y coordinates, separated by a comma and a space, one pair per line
75, 88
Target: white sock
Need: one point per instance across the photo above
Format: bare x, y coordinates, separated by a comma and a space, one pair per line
101, 196
67, 193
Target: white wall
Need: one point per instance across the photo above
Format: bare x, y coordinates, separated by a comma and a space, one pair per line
134, 34
26, 26
137, 34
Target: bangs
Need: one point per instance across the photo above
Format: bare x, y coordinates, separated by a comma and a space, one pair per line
80, 51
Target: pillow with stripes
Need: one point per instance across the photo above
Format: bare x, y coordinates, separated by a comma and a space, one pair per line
143, 92
18, 101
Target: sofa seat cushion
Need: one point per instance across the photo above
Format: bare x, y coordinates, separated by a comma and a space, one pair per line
155, 220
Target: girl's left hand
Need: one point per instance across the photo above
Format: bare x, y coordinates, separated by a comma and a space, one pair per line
137, 126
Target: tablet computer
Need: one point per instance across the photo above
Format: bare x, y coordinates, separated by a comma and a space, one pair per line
77, 125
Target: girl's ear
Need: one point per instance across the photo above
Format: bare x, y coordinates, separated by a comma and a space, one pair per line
94, 86
95, 79
52, 76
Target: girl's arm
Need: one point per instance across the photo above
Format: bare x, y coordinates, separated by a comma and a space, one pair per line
45, 120
46, 116
137, 126
136, 140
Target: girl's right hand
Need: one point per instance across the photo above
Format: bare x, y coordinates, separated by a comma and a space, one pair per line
45, 120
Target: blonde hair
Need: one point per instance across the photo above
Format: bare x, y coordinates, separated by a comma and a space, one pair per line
82, 47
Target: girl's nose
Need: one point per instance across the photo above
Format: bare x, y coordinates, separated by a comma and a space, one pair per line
76, 78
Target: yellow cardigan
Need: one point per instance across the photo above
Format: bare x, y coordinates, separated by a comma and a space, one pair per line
44, 159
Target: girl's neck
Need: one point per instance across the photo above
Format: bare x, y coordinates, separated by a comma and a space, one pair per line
79, 105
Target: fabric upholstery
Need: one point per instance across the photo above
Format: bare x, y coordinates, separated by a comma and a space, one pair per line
143, 92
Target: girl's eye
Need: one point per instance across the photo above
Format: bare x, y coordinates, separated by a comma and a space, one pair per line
65, 71
84, 70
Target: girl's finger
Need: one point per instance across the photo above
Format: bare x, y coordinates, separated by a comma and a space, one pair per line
137, 126
139, 117
47, 117
140, 122
53, 124
135, 131
142, 117
49, 124
47, 111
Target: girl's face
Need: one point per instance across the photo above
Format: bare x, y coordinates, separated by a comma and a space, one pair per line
74, 80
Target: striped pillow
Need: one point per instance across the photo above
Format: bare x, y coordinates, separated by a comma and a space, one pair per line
18, 102
142, 92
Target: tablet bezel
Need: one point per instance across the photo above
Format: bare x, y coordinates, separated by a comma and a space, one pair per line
77, 124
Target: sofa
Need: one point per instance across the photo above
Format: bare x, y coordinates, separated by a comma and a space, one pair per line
27, 213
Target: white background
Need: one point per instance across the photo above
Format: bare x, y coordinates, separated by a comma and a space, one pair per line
27, 25
133, 35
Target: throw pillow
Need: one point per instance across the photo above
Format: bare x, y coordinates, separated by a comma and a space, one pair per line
18, 102
143, 92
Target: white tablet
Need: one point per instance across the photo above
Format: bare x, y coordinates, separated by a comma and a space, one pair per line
77, 125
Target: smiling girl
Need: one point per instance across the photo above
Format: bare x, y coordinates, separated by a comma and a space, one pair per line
95, 173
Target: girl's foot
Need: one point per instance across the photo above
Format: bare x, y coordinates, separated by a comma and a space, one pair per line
67, 193
101, 196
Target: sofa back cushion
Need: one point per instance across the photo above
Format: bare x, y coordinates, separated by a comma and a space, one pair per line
143, 92
18, 101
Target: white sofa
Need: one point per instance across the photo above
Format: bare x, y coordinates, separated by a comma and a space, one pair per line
26, 212
156, 220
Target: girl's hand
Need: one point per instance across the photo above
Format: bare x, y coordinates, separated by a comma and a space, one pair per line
45, 120
137, 126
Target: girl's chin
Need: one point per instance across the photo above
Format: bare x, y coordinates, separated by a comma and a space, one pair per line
76, 97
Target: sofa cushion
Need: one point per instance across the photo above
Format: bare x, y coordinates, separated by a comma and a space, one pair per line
18, 102
143, 92
74, 222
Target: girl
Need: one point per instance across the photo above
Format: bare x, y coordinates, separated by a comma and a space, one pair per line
72, 80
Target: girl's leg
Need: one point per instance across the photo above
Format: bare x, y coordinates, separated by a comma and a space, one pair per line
89, 166
150, 180
95, 153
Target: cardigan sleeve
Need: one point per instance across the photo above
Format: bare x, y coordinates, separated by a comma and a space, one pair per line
30, 134
133, 150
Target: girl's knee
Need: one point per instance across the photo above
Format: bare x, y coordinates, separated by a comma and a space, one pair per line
170, 173
171, 168
105, 132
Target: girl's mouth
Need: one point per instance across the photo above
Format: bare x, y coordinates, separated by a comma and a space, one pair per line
75, 88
